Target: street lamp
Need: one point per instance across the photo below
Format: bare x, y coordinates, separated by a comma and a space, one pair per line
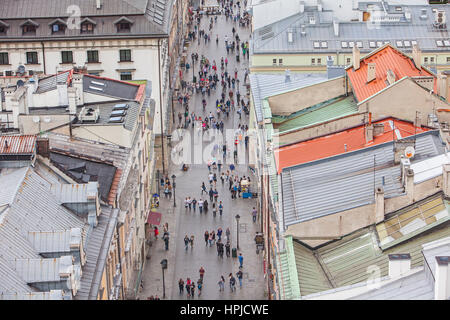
174, 186
193, 68
163, 267
237, 228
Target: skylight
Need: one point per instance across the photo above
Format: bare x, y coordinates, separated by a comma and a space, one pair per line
407, 43
372, 44
324, 44
344, 44
359, 44
399, 44
439, 43
316, 44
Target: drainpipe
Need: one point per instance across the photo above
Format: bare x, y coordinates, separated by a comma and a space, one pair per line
160, 107
120, 260
43, 56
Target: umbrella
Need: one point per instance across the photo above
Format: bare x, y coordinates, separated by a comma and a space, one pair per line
155, 195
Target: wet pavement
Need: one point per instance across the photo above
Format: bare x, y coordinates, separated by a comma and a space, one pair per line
182, 263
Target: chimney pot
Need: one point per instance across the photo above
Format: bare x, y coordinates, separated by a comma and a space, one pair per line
371, 71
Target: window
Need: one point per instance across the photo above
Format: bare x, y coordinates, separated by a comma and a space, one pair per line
425, 60
32, 58
316, 44
324, 44
125, 76
348, 60
280, 61
448, 59
313, 61
58, 28
66, 57
399, 44
274, 61
87, 28
319, 60
8, 73
4, 58
92, 56
351, 44
2, 30
29, 29
359, 44
344, 44
413, 42
407, 43
123, 27
447, 43
31, 72
125, 55
379, 44
372, 44
432, 59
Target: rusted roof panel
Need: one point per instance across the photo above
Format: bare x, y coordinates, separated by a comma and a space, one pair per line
17, 144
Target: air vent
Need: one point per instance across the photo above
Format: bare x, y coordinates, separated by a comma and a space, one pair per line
89, 115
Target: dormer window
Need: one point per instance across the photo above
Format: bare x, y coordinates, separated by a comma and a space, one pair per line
58, 26
29, 27
123, 24
3, 28
87, 25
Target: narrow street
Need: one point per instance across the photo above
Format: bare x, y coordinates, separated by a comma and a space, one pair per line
182, 263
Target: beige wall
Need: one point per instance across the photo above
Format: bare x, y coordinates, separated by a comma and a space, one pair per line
293, 101
321, 129
116, 134
402, 101
28, 126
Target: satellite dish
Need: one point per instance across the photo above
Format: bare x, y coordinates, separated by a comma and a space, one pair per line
47, 119
36, 119
409, 152
20, 83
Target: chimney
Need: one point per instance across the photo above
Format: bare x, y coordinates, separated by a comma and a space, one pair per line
99, 4
417, 56
336, 28
77, 82
9, 94
442, 86
442, 280
302, 6
319, 5
287, 76
446, 179
399, 264
409, 184
399, 148
390, 77
356, 57
405, 164
379, 205
72, 96
369, 132
62, 94
371, 71
378, 128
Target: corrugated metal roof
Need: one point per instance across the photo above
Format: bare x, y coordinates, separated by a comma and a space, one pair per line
49, 83
266, 85
54, 241
319, 113
341, 142
75, 193
51, 295
42, 270
323, 31
388, 58
346, 181
10, 182
17, 144
346, 261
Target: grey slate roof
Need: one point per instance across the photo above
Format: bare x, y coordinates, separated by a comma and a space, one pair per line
266, 85
110, 87
151, 17
345, 181
49, 83
274, 38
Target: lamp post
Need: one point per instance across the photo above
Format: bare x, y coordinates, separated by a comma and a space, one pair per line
193, 68
163, 267
174, 186
237, 228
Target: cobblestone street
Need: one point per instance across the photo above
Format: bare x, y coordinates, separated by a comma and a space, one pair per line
182, 263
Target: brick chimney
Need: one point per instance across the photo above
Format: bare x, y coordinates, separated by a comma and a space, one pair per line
417, 56
409, 184
356, 57
77, 82
442, 86
72, 96
371, 71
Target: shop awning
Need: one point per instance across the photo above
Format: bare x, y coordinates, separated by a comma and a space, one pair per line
154, 218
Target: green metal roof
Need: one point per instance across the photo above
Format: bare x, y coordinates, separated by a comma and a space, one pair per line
287, 278
347, 261
322, 112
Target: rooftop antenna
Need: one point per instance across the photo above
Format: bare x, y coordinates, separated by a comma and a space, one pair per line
374, 162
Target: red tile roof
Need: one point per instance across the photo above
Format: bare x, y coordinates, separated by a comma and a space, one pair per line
18, 144
333, 144
388, 58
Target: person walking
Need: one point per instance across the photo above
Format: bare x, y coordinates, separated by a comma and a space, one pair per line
219, 233
221, 283
186, 242
199, 286
156, 232
239, 275
193, 289
228, 233
254, 213
210, 239
188, 287
181, 285
227, 249
213, 236
241, 260
166, 240
201, 272
192, 242
220, 208
200, 205
206, 238
232, 282
194, 203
